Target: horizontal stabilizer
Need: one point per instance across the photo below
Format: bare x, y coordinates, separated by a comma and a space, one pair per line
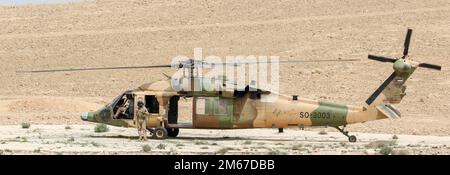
389, 111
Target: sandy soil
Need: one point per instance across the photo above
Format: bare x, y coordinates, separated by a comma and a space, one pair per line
136, 32
81, 139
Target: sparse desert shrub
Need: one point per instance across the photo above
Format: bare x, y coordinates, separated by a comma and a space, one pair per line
380, 144
204, 147
323, 132
395, 137
95, 144
25, 125
200, 143
248, 142
179, 144
275, 152
71, 139
386, 150
224, 150
38, 150
101, 128
146, 148
67, 127
161, 146
272, 153
298, 147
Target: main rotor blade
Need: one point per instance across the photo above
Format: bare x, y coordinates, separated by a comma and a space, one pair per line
91, 69
430, 66
380, 89
382, 59
407, 41
309, 61
280, 62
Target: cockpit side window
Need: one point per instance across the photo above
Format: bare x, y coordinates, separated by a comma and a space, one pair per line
118, 101
123, 106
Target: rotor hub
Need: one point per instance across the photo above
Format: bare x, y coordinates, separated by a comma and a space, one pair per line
402, 66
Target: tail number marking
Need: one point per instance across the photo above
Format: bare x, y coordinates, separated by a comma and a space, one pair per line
325, 115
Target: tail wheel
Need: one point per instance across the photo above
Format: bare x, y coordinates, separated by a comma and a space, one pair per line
172, 132
161, 133
352, 138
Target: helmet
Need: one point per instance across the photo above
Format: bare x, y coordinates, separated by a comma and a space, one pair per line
140, 103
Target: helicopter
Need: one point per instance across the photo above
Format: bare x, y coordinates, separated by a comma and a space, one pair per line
230, 108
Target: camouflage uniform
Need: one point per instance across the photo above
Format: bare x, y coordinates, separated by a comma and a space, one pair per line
121, 109
142, 123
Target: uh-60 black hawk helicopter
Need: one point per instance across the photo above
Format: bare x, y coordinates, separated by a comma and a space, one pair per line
229, 108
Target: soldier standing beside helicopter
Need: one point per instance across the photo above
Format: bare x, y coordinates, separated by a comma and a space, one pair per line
141, 120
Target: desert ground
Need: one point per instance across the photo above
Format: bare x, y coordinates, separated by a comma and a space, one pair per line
80, 139
143, 32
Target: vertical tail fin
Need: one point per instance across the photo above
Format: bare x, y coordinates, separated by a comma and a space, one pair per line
393, 88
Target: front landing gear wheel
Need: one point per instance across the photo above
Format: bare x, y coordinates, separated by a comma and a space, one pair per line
172, 132
352, 138
161, 133
151, 133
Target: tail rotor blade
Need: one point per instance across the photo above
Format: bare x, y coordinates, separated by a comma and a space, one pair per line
382, 59
380, 89
430, 66
407, 41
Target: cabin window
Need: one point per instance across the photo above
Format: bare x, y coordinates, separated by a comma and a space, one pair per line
220, 106
152, 104
201, 106
212, 106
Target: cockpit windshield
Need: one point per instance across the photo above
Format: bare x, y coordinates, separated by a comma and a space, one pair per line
116, 100
119, 99
123, 106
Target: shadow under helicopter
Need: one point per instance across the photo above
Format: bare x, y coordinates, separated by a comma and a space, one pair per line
226, 138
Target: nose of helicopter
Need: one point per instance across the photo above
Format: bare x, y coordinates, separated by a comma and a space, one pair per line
84, 116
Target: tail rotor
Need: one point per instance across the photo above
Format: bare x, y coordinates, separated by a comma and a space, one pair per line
400, 66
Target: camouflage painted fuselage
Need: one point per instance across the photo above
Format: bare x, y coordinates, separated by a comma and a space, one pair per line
228, 109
